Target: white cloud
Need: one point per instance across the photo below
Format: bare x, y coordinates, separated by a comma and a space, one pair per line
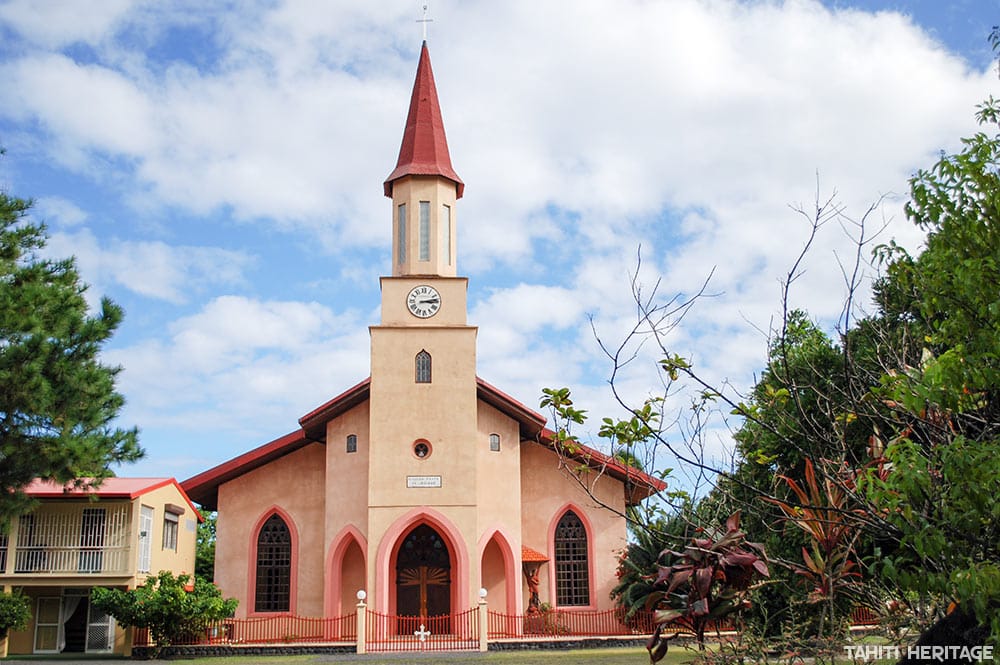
57, 211
56, 23
243, 365
149, 268
582, 131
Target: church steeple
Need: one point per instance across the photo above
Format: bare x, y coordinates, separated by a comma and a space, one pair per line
424, 186
424, 150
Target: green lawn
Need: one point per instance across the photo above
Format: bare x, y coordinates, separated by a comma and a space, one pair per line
629, 656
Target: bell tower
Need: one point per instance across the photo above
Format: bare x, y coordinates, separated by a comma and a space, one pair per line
423, 406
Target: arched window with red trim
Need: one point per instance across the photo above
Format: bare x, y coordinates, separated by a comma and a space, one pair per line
274, 566
572, 564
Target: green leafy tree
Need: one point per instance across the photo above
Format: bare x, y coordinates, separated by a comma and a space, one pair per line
940, 494
172, 610
15, 612
58, 403
204, 563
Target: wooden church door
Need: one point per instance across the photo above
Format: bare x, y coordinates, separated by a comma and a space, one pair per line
423, 575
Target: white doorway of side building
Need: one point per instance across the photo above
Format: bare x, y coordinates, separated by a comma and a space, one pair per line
69, 623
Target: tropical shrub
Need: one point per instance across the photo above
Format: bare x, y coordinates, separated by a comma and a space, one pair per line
171, 607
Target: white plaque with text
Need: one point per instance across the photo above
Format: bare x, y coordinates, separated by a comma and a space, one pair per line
423, 481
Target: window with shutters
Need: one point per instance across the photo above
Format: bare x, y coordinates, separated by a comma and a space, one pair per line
170, 521
145, 538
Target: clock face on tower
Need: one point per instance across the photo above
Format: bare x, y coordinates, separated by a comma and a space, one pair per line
423, 301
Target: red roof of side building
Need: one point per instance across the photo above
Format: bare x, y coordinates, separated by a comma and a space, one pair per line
204, 487
110, 488
424, 150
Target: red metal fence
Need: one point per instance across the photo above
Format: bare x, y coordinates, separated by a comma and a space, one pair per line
455, 632
284, 629
553, 623
863, 616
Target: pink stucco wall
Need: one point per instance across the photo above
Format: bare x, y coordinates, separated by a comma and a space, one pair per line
295, 486
547, 491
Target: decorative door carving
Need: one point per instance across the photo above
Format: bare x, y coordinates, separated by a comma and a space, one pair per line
423, 575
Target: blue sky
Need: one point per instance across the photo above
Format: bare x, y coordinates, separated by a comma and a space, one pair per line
217, 170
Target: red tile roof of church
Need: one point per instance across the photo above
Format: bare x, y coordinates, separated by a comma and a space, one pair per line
204, 487
424, 150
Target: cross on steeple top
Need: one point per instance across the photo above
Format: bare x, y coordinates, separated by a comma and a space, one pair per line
425, 21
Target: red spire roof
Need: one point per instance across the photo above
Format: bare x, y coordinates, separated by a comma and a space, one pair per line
424, 150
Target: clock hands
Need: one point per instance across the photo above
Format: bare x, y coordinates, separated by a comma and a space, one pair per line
423, 301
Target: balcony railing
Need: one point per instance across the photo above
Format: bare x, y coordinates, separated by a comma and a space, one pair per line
74, 540
71, 560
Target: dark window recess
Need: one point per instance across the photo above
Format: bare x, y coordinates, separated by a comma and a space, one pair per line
274, 566
423, 363
572, 566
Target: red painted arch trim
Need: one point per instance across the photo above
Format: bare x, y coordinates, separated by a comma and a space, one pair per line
388, 548
591, 568
510, 564
293, 581
334, 567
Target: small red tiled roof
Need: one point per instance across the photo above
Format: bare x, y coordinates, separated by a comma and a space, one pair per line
529, 555
424, 150
110, 488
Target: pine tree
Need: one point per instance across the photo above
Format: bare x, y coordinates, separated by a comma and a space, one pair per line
58, 402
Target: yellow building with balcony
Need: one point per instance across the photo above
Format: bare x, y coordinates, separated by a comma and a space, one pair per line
77, 539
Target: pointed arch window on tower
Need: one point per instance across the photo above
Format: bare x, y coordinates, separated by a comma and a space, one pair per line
401, 232
352, 443
274, 566
425, 230
446, 233
495, 442
423, 367
572, 565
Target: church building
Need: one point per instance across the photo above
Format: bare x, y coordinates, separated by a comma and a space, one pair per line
423, 483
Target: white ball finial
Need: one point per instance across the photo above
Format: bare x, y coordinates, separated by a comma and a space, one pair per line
362, 595
482, 593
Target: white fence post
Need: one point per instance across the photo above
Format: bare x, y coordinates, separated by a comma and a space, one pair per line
484, 622
362, 623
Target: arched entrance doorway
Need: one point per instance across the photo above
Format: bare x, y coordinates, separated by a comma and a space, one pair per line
423, 576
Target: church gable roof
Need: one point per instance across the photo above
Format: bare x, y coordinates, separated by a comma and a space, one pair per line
424, 150
204, 487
